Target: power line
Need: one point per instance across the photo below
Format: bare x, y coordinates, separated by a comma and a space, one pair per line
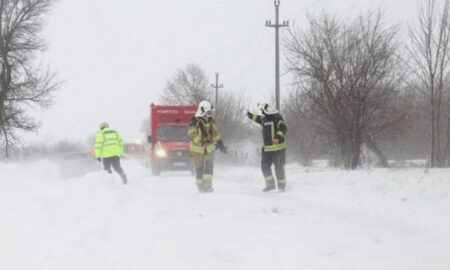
277, 27
217, 86
254, 46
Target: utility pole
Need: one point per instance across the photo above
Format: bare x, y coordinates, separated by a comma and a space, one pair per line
217, 86
277, 27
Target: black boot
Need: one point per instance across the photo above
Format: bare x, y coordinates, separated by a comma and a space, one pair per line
124, 178
282, 187
269, 186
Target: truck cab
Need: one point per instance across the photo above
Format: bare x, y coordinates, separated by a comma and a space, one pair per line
168, 138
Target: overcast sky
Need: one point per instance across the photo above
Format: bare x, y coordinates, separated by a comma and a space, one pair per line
117, 55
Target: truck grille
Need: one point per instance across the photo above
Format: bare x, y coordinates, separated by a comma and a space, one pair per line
179, 154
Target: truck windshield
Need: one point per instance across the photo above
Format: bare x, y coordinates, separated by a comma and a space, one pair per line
173, 134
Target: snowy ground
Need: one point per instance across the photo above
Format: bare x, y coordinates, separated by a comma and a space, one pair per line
377, 219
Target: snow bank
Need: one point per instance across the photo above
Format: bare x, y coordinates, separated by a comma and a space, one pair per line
377, 219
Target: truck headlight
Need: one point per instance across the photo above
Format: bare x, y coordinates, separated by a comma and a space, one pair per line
161, 153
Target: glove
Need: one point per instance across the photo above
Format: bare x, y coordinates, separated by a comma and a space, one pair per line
223, 149
99, 159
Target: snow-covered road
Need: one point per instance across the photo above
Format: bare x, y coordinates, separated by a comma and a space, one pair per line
328, 219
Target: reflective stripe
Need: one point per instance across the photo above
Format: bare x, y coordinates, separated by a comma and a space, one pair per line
280, 133
272, 128
197, 139
282, 181
281, 122
197, 149
254, 117
207, 177
269, 178
201, 150
275, 147
211, 148
111, 142
111, 145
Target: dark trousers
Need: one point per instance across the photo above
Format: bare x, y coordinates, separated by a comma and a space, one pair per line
114, 162
278, 159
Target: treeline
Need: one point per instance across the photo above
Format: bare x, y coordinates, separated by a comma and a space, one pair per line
358, 86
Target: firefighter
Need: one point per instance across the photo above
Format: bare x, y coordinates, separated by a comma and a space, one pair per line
274, 130
109, 148
204, 140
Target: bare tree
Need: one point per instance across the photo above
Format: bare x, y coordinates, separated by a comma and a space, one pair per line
305, 141
189, 85
430, 68
230, 117
409, 140
349, 75
22, 83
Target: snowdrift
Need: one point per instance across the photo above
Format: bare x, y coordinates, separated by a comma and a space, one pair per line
377, 219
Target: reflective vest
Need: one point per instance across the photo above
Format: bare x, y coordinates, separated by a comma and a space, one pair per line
203, 135
108, 143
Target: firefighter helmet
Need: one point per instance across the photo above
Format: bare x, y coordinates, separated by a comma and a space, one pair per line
203, 108
266, 108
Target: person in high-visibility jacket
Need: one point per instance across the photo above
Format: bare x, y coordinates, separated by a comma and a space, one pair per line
274, 149
109, 148
204, 140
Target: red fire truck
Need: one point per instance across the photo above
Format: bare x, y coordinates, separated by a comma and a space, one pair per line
168, 137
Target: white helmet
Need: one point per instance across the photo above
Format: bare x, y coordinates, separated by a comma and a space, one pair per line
203, 108
266, 108
104, 125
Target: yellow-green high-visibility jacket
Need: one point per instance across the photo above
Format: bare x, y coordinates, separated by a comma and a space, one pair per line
108, 143
203, 132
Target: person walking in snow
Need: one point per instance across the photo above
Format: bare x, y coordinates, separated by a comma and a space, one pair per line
274, 130
204, 140
109, 148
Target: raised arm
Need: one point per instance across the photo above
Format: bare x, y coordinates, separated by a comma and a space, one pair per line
254, 117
